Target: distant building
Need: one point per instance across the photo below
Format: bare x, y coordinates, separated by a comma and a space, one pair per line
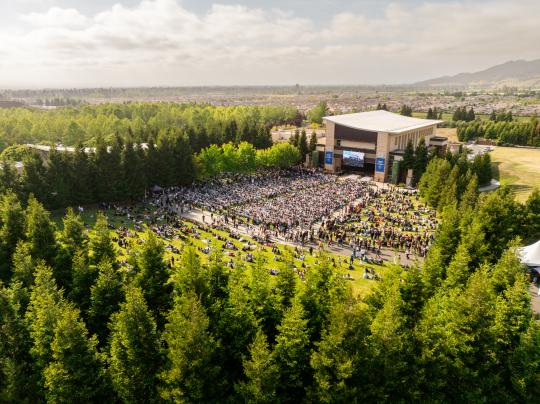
373, 142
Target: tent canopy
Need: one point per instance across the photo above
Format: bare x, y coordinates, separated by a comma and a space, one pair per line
157, 188
530, 255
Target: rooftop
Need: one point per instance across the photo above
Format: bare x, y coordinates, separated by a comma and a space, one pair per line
381, 121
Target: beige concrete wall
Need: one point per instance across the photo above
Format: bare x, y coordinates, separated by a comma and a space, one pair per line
330, 143
383, 150
357, 145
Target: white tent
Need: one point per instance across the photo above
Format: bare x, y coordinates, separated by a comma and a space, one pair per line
530, 255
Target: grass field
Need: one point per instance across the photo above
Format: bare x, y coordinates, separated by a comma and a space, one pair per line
450, 133
360, 286
518, 168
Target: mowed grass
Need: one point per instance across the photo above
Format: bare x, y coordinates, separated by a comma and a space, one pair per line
360, 286
519, 168
450, 133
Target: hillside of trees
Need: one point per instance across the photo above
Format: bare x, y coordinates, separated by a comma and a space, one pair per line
78, 324
202, 124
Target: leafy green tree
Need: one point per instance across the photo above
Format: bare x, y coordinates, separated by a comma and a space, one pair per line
135, 356
317, 113
261, 373
190, 373
532, 216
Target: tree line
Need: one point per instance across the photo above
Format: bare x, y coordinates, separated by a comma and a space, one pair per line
123, 171
79, 324
454, 179
503, 132
461, 114
244, 158
202, 124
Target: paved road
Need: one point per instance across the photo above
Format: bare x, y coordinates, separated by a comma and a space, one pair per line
387, 255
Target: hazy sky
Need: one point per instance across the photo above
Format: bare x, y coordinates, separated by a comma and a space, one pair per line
86, 43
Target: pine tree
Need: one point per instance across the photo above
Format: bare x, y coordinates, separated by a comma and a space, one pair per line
191, 374
313, 142
470, 195
83, 277
291, 354
40, 232
105, 298
101, 245
43, 311
153, 275
421, 160
23, 265
12, 223
408, 156
135, 356
261, 373
302, 143
18, 377
73, 233
75, 373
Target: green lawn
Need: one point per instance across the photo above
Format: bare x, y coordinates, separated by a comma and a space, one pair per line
517, 167
360, 286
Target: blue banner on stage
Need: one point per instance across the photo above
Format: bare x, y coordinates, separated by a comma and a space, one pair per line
328, 157
379, 165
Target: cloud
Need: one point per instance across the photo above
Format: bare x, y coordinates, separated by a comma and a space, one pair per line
161, 42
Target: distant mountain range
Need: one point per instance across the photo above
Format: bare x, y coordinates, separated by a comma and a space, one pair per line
518, 73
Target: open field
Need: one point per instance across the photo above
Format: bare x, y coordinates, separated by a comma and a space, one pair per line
517, 167
450, 133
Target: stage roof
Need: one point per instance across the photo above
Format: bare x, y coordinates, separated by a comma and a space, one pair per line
381, 121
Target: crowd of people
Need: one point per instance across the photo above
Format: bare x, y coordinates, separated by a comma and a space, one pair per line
304, 206
390, 218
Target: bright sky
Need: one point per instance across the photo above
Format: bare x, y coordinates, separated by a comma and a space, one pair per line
87, 43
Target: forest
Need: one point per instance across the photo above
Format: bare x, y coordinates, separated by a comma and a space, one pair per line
140, 122
82, 321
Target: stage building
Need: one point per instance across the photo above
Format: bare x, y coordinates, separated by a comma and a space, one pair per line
373, 142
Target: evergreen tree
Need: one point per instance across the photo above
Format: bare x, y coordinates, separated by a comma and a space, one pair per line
105, 298
23, 265
43, 312
421, 160
83, 277
75, 372
12, 223
101, 245
152, 276
18, 377
313, 142
292, 356
40, 232
190, 374
135, 356
302, 144
408, 156
261, 373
